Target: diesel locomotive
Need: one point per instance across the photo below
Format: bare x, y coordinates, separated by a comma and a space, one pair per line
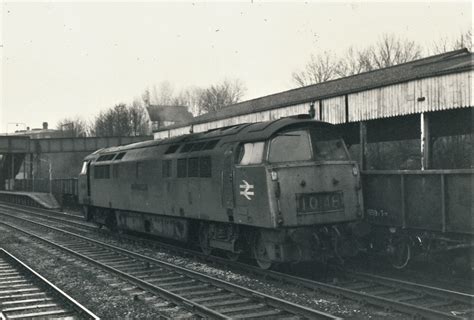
278, 191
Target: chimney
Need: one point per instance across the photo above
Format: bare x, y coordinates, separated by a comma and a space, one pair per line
45, 126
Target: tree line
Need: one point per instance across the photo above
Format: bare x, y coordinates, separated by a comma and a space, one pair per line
389, 50
132, 119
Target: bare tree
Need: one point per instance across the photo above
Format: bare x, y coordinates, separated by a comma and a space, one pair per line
320, 68
444, 44
139, 121
73, 127
388, 51
162, 94
146, 97
221, 95
354, 62
122, 120
391, 50
190, 97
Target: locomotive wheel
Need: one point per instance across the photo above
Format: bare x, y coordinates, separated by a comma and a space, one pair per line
400, 253
260, 253
204, 239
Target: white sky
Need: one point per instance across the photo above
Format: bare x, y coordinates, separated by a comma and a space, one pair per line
66, 59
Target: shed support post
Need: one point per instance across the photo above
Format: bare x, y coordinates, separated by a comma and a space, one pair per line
425, 141
362, 144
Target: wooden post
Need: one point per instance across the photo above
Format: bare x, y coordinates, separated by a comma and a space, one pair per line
362, 144
425, 141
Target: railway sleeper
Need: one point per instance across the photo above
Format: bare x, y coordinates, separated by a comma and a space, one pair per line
190, 295
254, 315
226, 302
25, 301
241, 307
226, 297
194, 288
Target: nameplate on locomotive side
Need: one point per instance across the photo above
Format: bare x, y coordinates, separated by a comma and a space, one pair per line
321, 202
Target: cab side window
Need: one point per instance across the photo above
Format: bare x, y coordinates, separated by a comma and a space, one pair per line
251, 153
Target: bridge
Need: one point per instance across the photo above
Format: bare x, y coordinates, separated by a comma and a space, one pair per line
15, 148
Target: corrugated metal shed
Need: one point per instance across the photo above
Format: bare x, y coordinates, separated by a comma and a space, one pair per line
449, 91
437, 82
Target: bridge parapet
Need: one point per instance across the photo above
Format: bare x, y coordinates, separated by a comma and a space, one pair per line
14, 144
24, 144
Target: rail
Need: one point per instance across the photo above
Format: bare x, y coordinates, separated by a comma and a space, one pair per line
25, 294
201, 293
407, 297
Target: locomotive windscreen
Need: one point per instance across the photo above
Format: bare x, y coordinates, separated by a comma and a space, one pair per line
319, 144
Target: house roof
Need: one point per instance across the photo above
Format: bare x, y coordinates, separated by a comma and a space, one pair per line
178, 114
445, 63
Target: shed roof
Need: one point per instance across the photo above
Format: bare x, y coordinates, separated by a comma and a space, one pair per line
445, 63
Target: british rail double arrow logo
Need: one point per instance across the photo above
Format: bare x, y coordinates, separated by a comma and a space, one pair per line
246, 190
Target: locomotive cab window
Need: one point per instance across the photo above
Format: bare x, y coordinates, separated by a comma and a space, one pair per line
251, 153
327, 145
318, 144
290, 146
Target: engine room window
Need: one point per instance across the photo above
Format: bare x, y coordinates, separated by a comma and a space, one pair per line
198, 146
182, 168
205, 167
84, 167
187, 147
166, 169
120, 156
251, 153
193, 167
290, 146
106, 157
210, 144
172, 149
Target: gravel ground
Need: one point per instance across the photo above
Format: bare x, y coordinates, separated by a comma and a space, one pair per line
328, 303
87, 285
320, 301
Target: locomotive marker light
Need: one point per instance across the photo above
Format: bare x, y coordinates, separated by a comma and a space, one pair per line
246, 192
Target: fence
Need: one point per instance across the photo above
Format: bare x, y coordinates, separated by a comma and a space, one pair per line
58, 186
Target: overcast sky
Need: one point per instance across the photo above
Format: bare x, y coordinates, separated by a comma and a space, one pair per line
66, 59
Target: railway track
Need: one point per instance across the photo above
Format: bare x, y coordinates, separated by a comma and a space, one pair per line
403, 296
25, 294
200, 294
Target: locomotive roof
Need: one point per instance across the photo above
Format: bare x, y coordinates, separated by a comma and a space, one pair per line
241, 132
